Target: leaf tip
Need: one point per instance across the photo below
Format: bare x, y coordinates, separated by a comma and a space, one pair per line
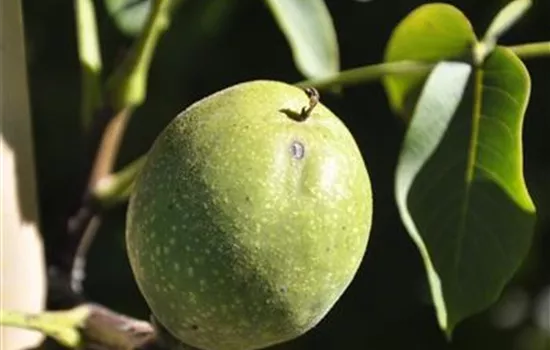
506, 18
449, 334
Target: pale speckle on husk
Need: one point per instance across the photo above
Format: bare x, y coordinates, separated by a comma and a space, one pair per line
257, 222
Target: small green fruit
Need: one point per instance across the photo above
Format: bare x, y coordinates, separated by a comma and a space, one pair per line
250, 217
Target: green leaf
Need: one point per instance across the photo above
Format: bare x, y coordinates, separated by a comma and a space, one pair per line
505, 19
459, 183
310, 32
436, 107
430, 33
130, 16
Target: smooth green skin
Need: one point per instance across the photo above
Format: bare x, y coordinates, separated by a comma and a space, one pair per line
234, 242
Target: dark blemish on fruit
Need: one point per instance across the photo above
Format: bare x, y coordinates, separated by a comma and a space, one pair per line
194, 327
327, 250
283, 289
247, 198
344, 228
170, 206
297, 150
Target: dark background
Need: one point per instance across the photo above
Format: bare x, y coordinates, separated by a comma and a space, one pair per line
214, 44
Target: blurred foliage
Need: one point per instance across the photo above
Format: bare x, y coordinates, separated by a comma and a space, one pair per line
214, 44
311, 35
130, 16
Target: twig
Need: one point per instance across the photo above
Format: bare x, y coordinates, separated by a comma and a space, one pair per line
109, 146
88, 218
81, 229
532, 50
88, 325
126, 90
78, 271
368, 73
79, 226
113, 330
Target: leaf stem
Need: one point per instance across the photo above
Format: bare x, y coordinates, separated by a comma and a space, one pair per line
532, 50
366, 74
128, 84
90, 59
116, 187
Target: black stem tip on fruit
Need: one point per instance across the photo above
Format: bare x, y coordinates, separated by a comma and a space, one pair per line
306, 111
313, 95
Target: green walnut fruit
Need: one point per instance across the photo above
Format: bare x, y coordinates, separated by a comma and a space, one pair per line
250, 217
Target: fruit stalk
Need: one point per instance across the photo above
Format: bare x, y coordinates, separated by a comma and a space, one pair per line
314, 97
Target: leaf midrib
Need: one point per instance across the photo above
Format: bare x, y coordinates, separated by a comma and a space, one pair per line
470, 165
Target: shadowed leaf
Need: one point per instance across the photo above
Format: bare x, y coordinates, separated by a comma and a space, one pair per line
460, 186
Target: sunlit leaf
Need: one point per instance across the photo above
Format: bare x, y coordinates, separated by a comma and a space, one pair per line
310, 32
430, 33
459, 183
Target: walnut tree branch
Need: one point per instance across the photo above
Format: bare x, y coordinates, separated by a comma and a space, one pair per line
88, 326
126, 90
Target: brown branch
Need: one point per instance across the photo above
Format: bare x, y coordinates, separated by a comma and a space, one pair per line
106, 329
109, 146
103, 166
83, 226
125, 91
88, 326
